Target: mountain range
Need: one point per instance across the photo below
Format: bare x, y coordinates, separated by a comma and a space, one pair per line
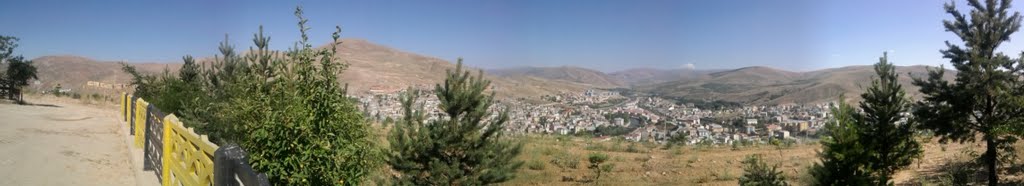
377, 68
371, 68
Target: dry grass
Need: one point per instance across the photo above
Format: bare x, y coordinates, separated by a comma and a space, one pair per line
654, 165
940, 160
688, 165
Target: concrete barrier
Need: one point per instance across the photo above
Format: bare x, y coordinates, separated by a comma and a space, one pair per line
124, 106
188, 157
179, 155
140, 121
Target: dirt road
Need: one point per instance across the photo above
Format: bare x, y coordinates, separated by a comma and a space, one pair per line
57, 142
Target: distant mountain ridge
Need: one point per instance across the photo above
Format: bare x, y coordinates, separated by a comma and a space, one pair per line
371, 68
378, 68
563, 73
648, 76
625, 78
763, 85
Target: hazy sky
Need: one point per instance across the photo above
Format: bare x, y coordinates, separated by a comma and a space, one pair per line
605, 35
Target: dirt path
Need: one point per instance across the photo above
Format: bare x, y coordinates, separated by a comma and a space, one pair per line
60, 143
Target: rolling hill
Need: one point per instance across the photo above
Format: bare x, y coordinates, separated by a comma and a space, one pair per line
76, 73
372, 67
649, 76
763, 85
378, 68
563, 73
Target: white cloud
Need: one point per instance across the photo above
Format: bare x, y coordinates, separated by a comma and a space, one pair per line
689, 66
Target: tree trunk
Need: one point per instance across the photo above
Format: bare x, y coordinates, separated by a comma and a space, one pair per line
991, 160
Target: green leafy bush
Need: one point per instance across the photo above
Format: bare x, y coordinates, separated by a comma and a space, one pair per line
758, 173
287, 109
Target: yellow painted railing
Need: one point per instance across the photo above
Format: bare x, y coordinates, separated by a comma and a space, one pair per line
140, 122
188, 157
124, 107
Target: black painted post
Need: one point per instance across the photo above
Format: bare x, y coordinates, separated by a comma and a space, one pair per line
230, 161
145, 142
131, 117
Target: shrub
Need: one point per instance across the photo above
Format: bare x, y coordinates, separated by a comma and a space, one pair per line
631, 148
595, 146
724, 175
758, 173
608, 167
566, 160
548, 151
596, 160
961, 170
289, 112
302, 127
535, 165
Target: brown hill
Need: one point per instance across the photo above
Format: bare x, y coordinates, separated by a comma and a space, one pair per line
564, 73
649, 76
372, 67
77, 72
379, 68
762, 85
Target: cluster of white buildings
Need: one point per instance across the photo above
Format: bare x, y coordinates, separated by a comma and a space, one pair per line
652, 119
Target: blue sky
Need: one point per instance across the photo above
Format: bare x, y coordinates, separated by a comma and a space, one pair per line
607, 35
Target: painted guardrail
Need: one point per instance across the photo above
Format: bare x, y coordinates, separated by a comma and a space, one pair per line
140, 117
188, 157
180, 156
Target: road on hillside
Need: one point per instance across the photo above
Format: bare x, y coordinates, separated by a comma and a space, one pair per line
59, 142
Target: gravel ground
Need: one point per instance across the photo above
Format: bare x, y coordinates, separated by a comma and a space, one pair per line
57, 141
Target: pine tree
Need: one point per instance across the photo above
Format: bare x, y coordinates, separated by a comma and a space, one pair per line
143, 83
885, 133
843, 157
985, 97
758, 173
189, 72
463, 147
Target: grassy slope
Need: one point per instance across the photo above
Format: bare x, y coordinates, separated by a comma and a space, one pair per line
688, 165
